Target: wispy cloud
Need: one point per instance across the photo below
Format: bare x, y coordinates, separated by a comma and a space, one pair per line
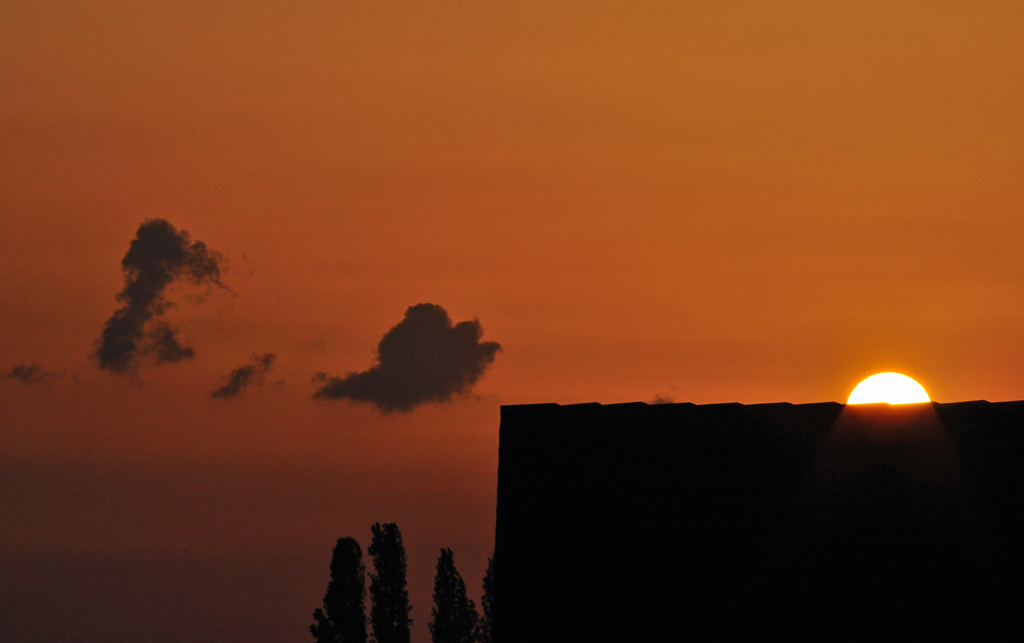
157, 256
246, 376
28, 373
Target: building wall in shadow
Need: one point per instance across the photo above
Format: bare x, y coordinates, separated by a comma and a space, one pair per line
678, 522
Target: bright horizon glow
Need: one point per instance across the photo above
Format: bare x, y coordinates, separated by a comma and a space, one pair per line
890, 388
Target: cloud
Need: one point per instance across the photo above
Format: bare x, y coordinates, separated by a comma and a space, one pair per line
163, 343
157, 256
422, 359
28, 373
662, 399
245, 376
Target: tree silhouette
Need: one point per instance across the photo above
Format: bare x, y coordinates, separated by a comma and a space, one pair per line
455, 617
484, 625
389, 614
343, 616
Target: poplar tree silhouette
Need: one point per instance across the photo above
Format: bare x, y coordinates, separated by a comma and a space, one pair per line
455, 617
389, 614
484, 625
342, 619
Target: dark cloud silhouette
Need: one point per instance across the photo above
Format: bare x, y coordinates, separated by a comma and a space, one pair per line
28, 373
245, 376
157, 256
422, 359
662, 399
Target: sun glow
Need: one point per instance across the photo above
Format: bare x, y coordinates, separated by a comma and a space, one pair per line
891, 388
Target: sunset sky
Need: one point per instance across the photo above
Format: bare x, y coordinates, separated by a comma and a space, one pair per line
726, 202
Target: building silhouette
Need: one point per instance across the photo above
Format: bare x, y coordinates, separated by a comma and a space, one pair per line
679, 522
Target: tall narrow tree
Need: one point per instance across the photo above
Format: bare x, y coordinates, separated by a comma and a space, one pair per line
342, 619
483, 628
455, 617
389, 614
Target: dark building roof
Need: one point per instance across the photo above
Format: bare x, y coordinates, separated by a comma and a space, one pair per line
636, 522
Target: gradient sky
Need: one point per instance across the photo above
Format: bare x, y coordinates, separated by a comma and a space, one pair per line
751, 202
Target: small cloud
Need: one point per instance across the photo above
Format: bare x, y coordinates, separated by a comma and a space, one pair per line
28, 373
246, 376
162, 342
158, 256
422, 359
662, 399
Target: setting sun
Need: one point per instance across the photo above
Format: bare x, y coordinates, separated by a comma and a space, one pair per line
891, 388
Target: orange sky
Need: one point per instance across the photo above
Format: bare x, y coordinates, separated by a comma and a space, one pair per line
753, 202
